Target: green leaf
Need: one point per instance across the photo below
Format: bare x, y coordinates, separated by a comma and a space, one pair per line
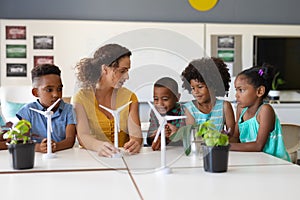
210, 142
277, 81
184, 134
211, 136
18, 132
179, 135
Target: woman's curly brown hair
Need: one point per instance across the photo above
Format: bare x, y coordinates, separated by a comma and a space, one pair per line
88, 70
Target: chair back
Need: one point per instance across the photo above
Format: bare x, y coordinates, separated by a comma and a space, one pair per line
291, 137
13, 98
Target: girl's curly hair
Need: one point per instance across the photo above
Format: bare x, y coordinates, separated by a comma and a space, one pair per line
211, 71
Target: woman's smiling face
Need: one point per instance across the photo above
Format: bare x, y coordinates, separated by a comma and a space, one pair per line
120, 74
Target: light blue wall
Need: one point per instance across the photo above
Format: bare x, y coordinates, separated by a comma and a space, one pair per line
226, 11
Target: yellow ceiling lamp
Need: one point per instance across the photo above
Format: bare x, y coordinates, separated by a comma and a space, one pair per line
203, 5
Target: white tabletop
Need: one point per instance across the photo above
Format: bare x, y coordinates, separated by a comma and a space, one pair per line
112, 184
244, 182
77, 159
74, 159
81, 174
148, 160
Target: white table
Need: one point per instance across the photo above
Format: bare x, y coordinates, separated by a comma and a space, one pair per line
247, 183
148, 160
80, 174
68, 185
75, 159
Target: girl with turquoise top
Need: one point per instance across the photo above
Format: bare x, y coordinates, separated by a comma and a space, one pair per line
257, 126
207, 79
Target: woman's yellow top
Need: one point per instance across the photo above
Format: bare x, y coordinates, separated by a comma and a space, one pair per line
102, 127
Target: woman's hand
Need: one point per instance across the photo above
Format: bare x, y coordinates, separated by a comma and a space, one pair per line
133, 146
107, 149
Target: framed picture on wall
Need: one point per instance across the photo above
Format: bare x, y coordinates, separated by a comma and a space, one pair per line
226, 55
15, 51
225, 41
39, 60
42, 42
15, 32
16, 70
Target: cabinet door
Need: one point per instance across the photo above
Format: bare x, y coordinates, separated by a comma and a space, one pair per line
288, 113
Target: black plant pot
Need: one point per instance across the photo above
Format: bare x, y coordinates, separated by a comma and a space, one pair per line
22, 155
215, 159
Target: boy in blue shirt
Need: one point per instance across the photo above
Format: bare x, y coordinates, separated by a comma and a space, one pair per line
47, 87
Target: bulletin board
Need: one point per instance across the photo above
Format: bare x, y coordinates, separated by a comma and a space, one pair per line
228, 48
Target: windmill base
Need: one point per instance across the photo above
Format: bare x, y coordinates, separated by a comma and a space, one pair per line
117, 155
165, 170
49, 155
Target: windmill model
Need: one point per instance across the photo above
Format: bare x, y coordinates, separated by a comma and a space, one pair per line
162, 120
48, 114
116, 115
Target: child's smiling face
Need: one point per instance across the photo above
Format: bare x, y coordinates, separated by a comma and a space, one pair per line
48, 89
200, 91
164, 99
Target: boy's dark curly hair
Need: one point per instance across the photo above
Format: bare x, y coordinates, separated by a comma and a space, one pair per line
42, 70
211, 71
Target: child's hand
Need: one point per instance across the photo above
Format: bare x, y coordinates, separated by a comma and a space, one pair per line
156, 145
43, 146
170, 129
53, 144
9, 124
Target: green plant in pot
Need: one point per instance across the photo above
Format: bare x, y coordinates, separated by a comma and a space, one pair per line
215, 148
215, 145
274, 94
20, 145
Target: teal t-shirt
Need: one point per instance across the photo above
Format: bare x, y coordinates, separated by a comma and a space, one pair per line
274, 145
216, 114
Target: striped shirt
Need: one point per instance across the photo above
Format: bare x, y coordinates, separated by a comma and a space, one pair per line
216, 114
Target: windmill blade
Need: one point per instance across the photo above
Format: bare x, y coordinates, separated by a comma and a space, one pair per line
157, 114
160, 128
122, 107
169, 117
52, 106
107, 109
39, 111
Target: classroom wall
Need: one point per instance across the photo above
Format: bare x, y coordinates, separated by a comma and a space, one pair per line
159, 49
248, 31
226, 11
64, 11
